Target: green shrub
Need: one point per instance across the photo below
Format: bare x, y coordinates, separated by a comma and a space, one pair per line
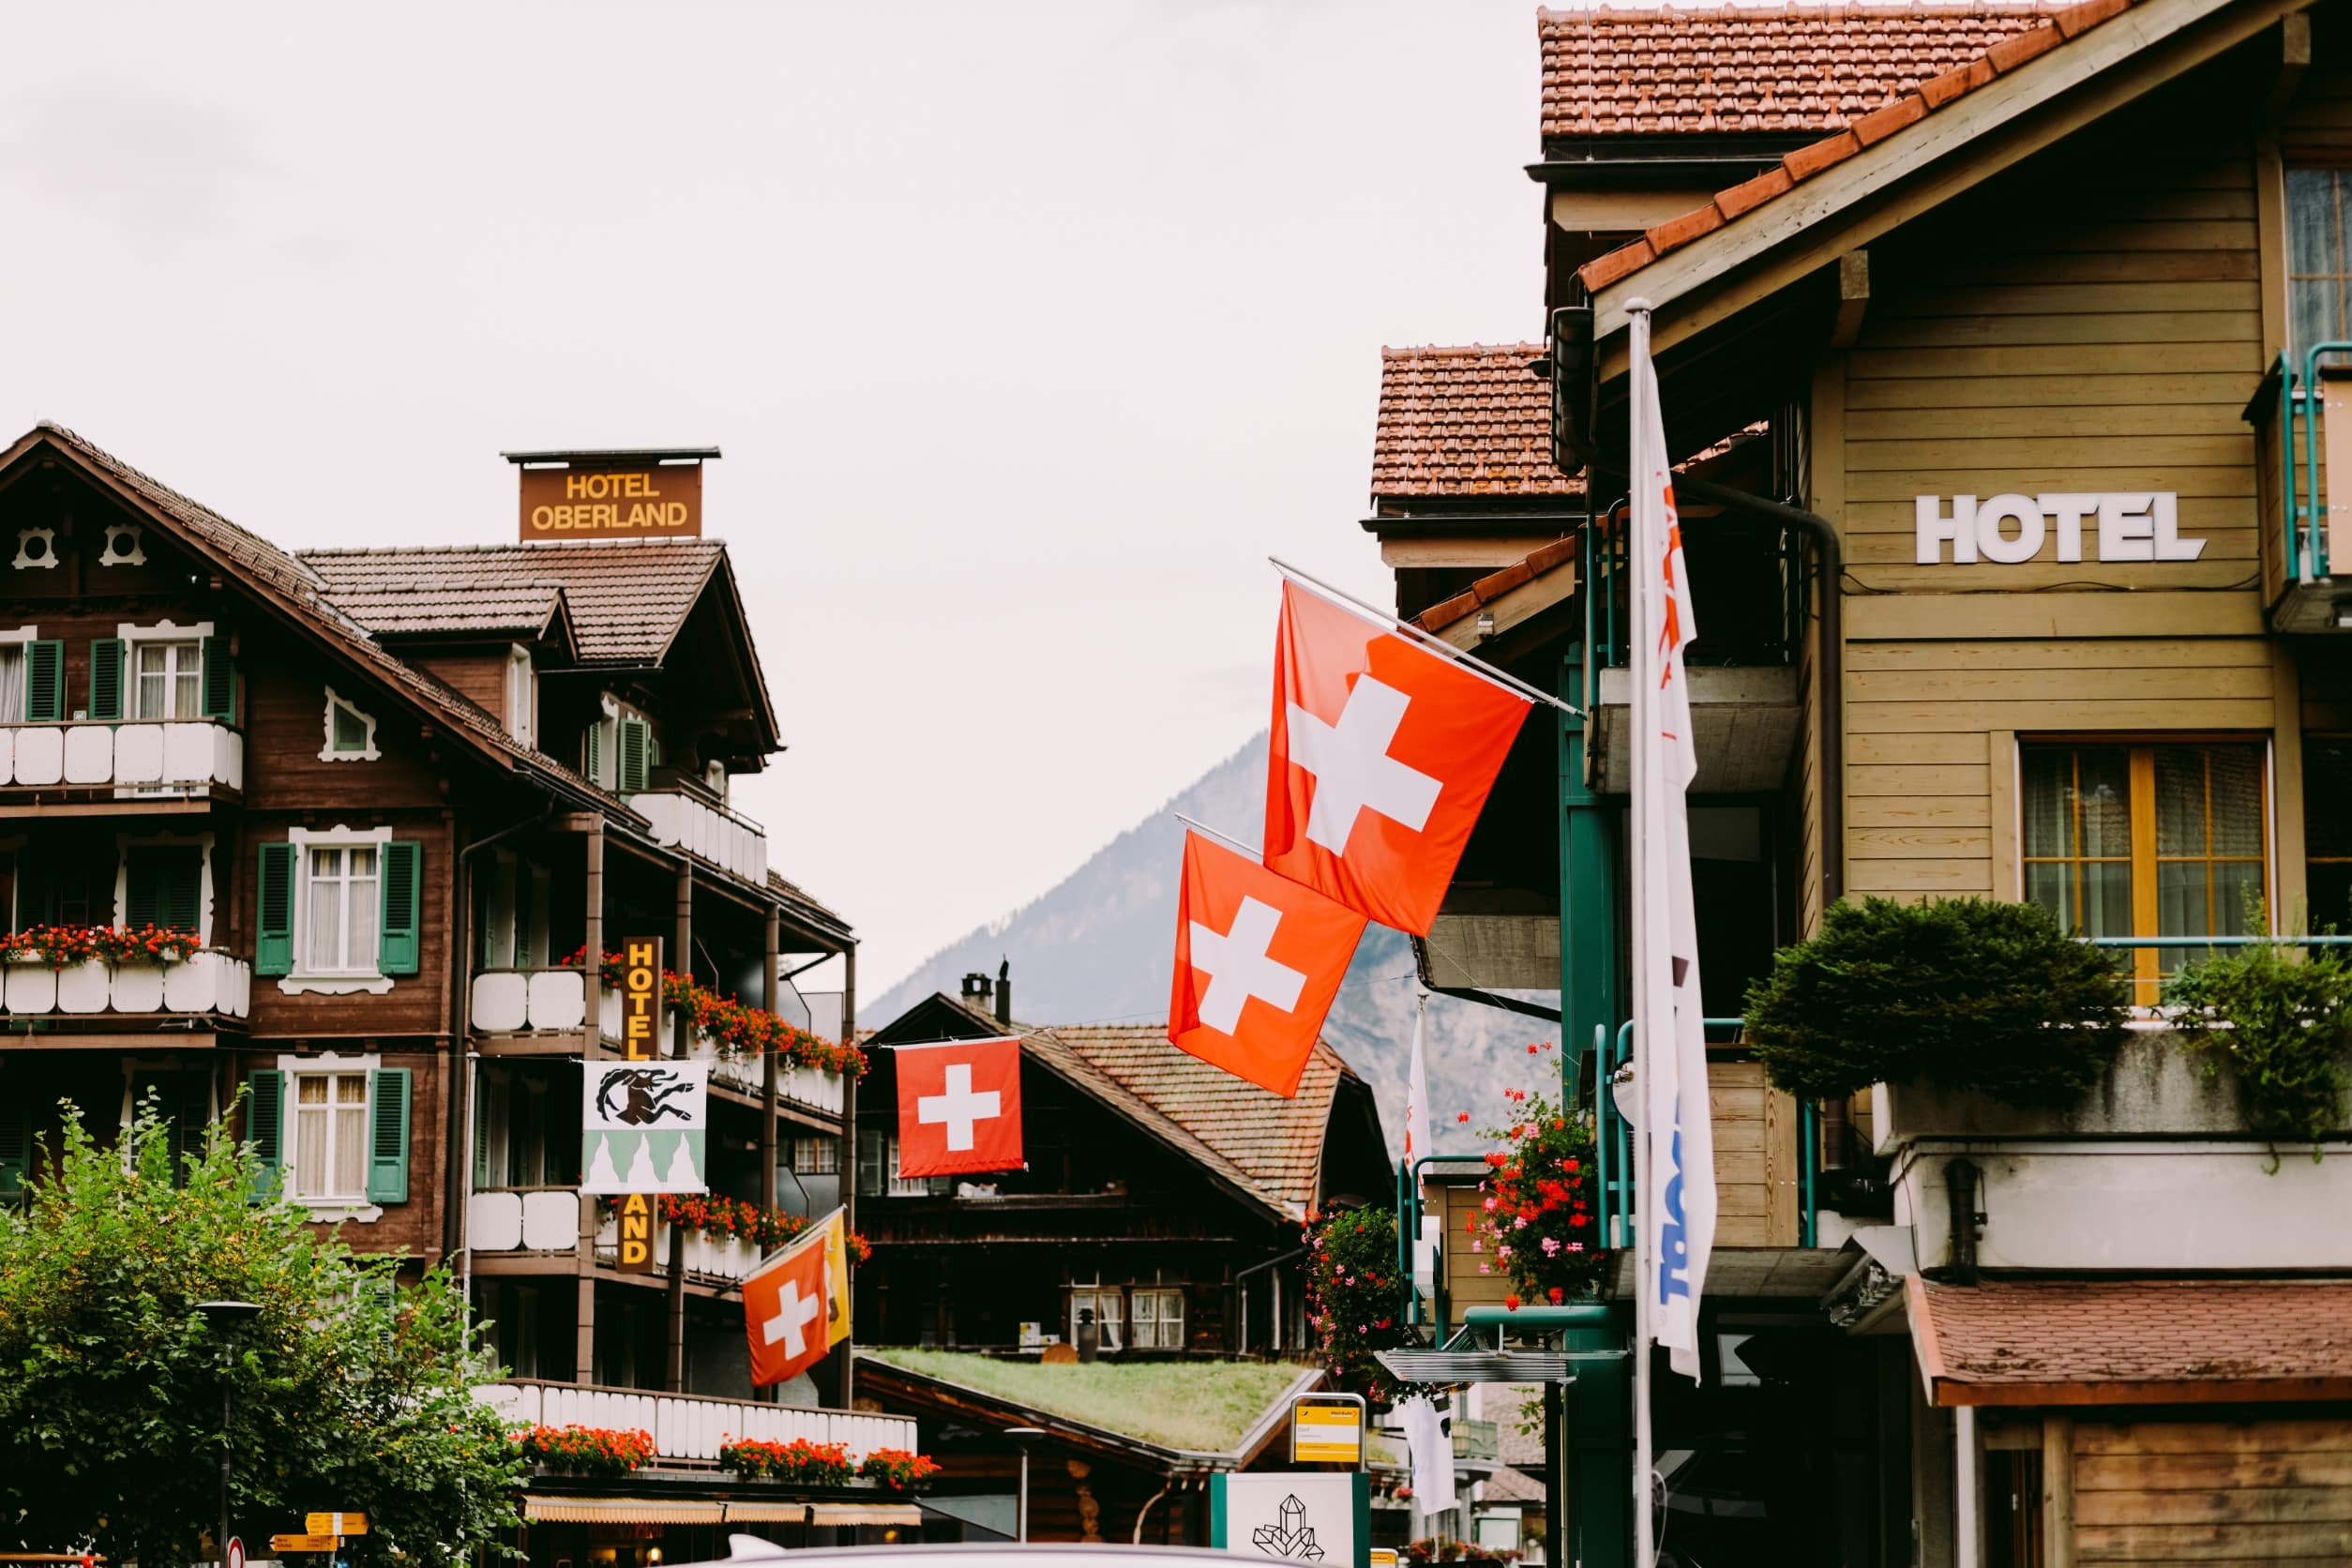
2281, 1027
1962, 994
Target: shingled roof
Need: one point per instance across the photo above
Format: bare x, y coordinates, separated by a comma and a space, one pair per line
1674, 71
2132, 1341
1891, 118
1465, 421
627, 598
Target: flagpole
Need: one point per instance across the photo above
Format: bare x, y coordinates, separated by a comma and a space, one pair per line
1252, 850
1437, 645
1640, 642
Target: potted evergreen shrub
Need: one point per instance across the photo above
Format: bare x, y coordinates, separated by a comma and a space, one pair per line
2278, 1021
1962, 994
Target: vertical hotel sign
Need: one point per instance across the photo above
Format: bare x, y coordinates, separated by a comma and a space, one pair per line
644, 1119
640, 971
611, 496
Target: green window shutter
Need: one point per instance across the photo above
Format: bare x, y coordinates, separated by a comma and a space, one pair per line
637, 745
220, 681
163, 885
387, 1160
265, 1125
273, 944
594, 756
481, 1123
106, 678
16, 1147
397, 952
44, 681
141, 893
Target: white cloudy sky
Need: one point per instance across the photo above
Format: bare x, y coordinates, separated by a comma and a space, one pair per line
1028, 330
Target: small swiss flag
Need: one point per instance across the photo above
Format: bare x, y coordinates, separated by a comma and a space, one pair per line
784, 1311
1382, 756
1258, 959
960, 1107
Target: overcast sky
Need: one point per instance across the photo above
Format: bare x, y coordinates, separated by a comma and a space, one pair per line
1028, 331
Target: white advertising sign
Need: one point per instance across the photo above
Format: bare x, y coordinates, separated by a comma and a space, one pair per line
1295, 1516
643, 1127
2005, 530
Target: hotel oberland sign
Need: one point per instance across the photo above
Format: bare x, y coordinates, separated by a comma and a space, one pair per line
646, 500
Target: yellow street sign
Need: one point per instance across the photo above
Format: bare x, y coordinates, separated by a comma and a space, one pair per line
285, 1543
335, 1524
1326, 1433
1383, 1557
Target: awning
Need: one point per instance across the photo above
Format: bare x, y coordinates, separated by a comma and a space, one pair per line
767, 1513
620, 1511
864, 1513
2132, 1341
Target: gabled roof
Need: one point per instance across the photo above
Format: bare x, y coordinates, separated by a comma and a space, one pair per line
300, 595
627, 598
1465, 421
1679, 70
1264, 1149
1753, 200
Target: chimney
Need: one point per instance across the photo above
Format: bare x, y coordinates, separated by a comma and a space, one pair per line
1005, 992
976, 992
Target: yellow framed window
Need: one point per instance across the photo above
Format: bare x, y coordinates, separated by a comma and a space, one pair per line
2157, 839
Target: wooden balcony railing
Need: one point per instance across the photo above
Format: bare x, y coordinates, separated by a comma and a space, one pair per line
688, 1429
185, 755
724, 838
210, 982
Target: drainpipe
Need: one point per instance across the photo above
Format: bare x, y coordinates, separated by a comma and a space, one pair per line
1960, 1185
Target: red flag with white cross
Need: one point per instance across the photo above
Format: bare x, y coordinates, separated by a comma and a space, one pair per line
1259, 959
1383, 755
960, 1107
784, 1311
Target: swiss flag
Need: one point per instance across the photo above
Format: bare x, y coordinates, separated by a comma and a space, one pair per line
1382, 756
784, 1311
1258, 959
960, 1107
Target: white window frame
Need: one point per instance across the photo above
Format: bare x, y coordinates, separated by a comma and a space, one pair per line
335, 982
1114, 1336
521, 716
24, 638
368, 752
1160, 1296
290, 1131
162, 631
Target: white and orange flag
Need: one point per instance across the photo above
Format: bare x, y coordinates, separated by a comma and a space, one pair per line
791, 1314
1383, 755
1259, 959
1670, 1042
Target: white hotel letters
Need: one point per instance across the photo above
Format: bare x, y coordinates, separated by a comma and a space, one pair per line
2130, 525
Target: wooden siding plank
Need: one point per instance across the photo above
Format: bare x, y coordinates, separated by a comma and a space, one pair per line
2200, 653
2315, 1434
2246, 1505
2197, 1472
1864, 749
1918, 420
2091, 359
1918, 843
2241, 546
2126, 681
1982, 616
1940, 878
2202, 1543
1922, 780
1935, 812
2185, 480
1911, 387
2006, 454
2059, 716
2183, 327
2114, 303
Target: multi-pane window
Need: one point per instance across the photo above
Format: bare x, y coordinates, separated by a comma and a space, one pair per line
2327, 832
1158, 1319
171, 680
878, 1169
816, 1156
330, 1133
340, 903
2146, 840
1104, 1309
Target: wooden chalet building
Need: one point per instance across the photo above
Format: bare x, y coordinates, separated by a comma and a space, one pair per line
1161, 1205
1999, 339
394, 794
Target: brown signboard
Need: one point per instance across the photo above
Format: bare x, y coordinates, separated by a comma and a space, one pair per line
641, 998
636, 1233
636, 501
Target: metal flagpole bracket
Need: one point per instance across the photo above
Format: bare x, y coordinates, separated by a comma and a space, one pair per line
1437, 645
1226, 838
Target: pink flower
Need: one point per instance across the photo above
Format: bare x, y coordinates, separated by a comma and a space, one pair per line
1551, 1247
1502, 1252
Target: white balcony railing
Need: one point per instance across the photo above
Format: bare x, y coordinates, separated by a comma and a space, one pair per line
716, 1257
140, 756
691, 1427
528, 1219
731, 842
209, 981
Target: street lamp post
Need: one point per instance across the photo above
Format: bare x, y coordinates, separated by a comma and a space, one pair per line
225, 1320
1024, 1436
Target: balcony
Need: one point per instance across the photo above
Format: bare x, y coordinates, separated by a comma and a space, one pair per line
688, 1429
711, 1258
524, 1219
135, 761
211, 984
709, 832
2301, 426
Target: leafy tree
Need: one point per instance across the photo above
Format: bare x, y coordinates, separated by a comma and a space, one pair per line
1962, 992
347, 1394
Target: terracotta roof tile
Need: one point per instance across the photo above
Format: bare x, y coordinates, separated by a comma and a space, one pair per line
1754, 70
2131, 1340
2026, 36
627, 598
1465, 421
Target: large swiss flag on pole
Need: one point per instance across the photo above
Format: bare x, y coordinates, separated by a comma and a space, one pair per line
1383, 755
787, 1312
1259, 959
960, 1107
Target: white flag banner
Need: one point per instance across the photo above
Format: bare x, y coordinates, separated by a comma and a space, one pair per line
1417, 1138
1430, 1444
1679, 1206
643, 1127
